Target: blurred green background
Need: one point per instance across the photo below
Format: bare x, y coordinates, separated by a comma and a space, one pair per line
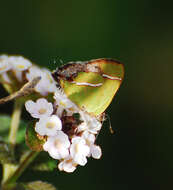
139, 34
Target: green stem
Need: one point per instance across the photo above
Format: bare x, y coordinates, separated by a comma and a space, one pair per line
15, 120
28, 159
8, 169
12, 172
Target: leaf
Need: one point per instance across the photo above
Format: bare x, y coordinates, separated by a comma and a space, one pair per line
35, 185
32, 139
20, 186
44, 162
6, 153
39, 185
4, 126
4, 129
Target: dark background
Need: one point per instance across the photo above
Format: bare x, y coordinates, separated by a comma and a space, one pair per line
139, 33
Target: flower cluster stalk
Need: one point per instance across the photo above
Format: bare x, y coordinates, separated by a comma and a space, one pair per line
12, 172
8, 169
24, 164
15, 120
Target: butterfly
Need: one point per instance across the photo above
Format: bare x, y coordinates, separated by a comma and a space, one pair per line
91, 85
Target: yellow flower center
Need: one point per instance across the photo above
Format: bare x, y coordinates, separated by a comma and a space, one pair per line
20, 66
58, 144
50, 125
87, 142
42, 111
69, 161
77, 147
71, 109
62, 103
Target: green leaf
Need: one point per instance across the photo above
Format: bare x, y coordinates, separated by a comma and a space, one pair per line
5, 125
44, 162
6, 153
19, 186
32, 139
39, 185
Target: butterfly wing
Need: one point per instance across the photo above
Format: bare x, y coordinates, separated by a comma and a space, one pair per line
93, 89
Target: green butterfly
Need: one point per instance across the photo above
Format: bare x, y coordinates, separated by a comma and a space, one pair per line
91, 85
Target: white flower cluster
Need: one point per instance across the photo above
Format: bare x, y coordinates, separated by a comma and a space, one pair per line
70, 133
25, 71
70, 140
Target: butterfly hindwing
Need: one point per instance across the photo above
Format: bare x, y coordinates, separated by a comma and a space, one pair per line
91, 85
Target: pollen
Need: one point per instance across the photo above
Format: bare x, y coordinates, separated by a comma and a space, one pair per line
50, 125
58, 144
77, 148
42, 111
62, 104
71, 109
20, 66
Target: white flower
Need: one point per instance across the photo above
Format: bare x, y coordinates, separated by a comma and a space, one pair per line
62, 100
67, 165
39, 109
19, 64
57, 146
48, 75
79, 150
4, 64
96, 151
90, 123
48, 125
89, 137
63, 103
41, 86
46, 84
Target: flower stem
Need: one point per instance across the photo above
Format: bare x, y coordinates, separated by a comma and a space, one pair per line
12, 172
15, 120
8, 169
28, 159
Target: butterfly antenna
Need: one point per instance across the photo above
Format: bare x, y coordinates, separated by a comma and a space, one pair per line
110, 125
